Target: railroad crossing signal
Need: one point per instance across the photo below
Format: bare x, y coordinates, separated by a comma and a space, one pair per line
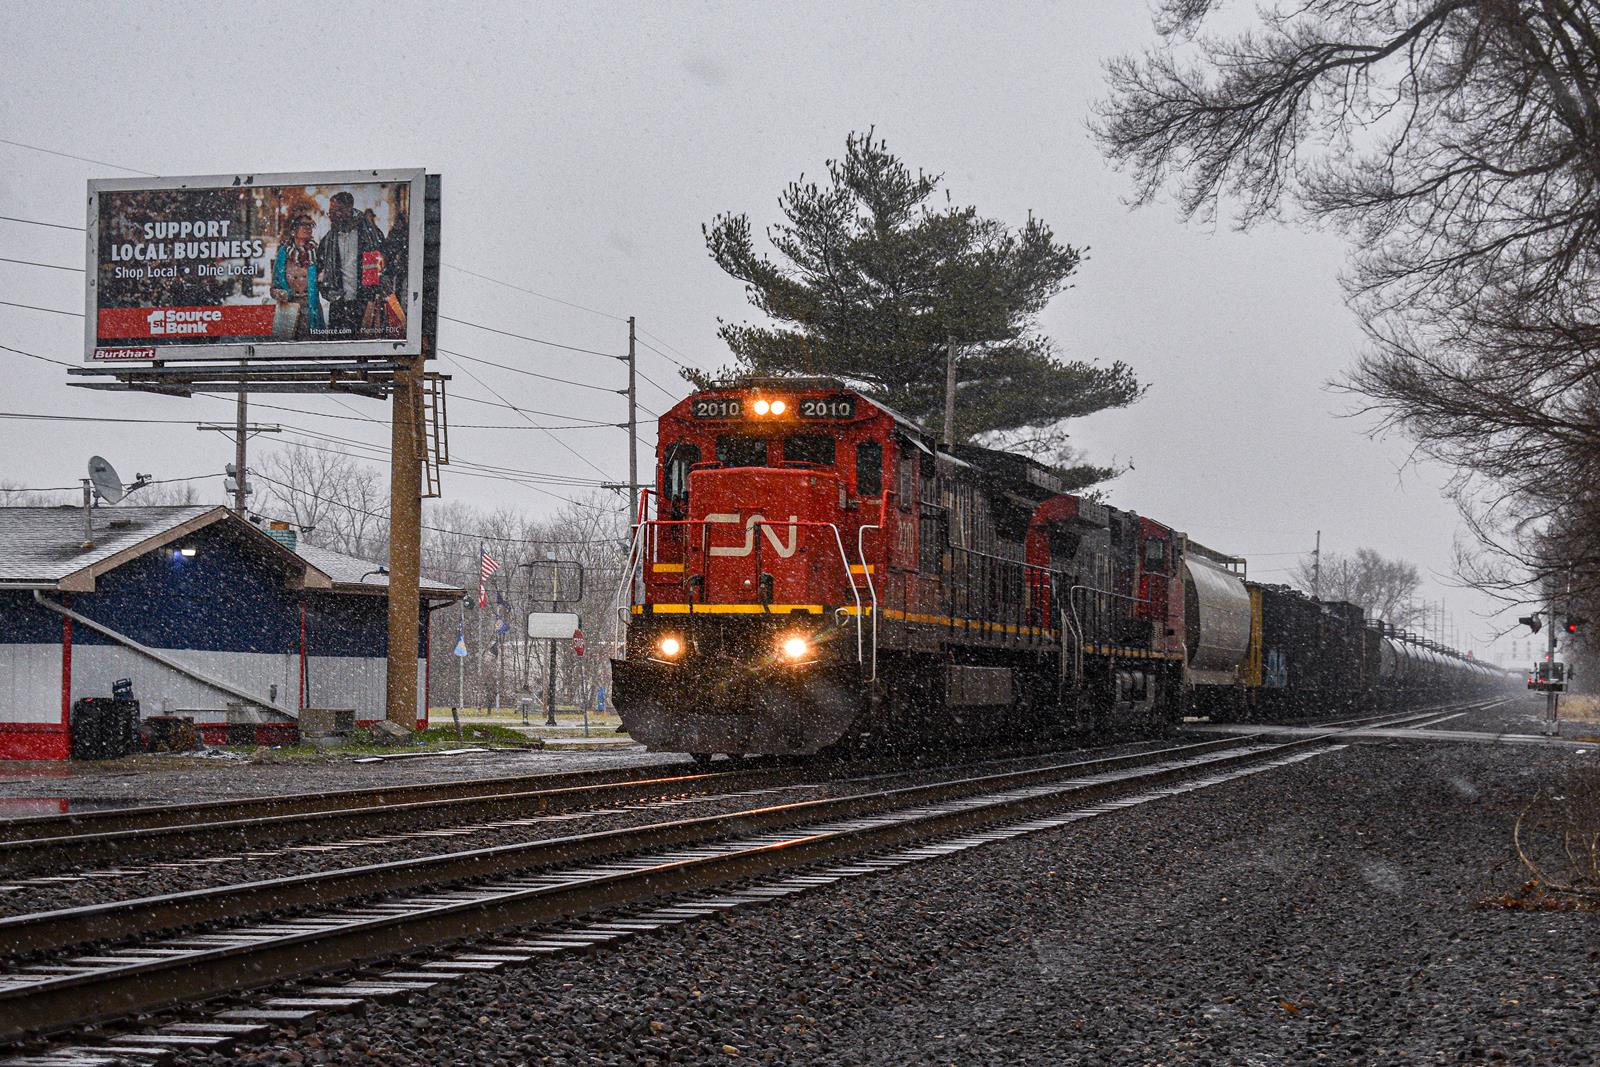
1573, 623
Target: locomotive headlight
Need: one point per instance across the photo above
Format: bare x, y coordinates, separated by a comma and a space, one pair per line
762, 407
795, 648
669, 647
778, 407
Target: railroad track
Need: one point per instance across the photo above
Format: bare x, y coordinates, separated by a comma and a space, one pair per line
56, 843
399, 908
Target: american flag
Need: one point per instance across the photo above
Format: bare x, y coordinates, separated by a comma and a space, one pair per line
489, 566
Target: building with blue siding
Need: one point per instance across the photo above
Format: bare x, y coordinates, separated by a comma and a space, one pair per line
206, 614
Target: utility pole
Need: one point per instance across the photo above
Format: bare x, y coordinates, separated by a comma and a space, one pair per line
239, 422
242, 430
405, 541
1316, 569
950, 393
633, 428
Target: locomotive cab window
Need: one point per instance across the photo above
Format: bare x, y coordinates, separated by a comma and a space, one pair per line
869, 468
741, 450
680, 458
809, 448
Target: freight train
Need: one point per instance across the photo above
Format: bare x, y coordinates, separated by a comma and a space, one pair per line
813, 572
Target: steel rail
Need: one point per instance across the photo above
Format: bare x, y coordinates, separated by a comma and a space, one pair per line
67, 998
151, 834
61, 928
189, 839
147, 817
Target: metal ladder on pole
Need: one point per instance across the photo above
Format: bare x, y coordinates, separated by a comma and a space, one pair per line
433, 433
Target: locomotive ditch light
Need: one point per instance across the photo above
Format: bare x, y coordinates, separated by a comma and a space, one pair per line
669, 647
796, 649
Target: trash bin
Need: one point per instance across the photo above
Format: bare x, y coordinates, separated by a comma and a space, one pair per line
103, 728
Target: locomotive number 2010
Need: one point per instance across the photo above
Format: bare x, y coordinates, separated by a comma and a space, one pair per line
718, 409
842, 407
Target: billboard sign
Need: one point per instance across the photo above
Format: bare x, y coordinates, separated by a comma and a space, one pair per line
553, 625
255, 266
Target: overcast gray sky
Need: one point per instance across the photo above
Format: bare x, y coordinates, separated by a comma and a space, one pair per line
583, 145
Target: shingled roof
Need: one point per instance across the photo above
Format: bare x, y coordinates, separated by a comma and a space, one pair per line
44, 547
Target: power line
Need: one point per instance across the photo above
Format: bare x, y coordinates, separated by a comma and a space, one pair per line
36, 222
72, 488
535, 340
36, 307
434, 529
582, 307
663, 355
35, 355
541, 296
81, 159
453, 426
529, 373
661, 388
577, 423
36, 263
384, 450
39, 417
376, 453
557, 440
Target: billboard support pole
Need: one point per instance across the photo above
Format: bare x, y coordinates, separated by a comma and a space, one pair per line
405, 544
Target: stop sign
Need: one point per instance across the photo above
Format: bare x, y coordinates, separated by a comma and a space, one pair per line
577, 642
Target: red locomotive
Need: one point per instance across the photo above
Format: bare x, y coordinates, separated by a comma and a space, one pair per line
814, 571
818, 571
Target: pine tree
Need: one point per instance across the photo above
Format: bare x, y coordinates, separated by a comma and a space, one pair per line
871, 280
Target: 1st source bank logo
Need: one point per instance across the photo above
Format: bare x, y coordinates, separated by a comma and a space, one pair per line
166, 322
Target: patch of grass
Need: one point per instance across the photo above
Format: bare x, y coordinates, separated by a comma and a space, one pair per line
471, 733
1584, 707
433, 739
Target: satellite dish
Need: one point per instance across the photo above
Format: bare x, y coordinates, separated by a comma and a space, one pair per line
104, 479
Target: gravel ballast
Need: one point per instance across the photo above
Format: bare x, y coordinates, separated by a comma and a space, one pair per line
150, 779
1323, 912
142, 879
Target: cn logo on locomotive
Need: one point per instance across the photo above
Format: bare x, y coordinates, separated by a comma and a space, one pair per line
750, 524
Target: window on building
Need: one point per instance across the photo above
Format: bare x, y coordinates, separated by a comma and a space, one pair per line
869, 468
1155, 555
741, 450
809, 448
